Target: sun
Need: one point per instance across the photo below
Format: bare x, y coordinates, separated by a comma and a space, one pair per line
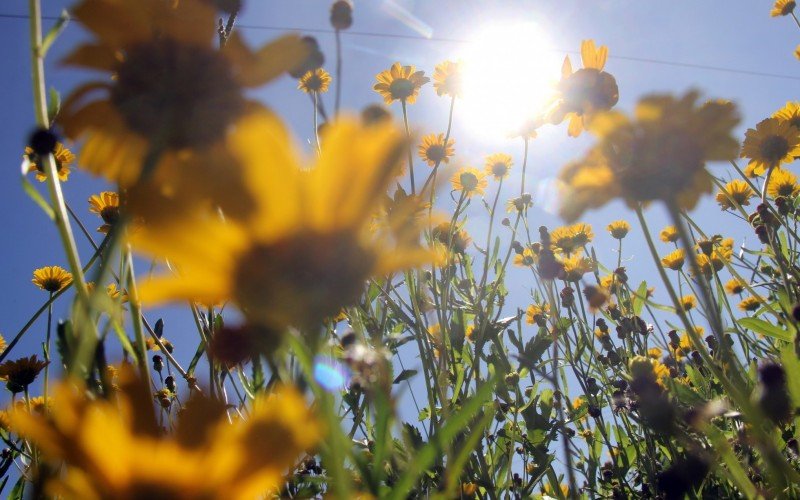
510, 71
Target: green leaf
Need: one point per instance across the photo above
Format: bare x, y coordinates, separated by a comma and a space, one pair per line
53, 104
639, 298
18, 492
765, 328
404, 375
36, 197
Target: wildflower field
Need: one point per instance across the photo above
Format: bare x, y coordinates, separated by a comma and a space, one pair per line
320, 249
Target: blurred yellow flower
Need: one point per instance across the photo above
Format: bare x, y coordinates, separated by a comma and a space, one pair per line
525, 259
736, 192
498, 165
575, 267
114, 449
771, 144
585, 91
688, 302
172, 89
317, 80
789, 113
51, 278
469, 181
106, 205
63, 158
447, 79
674, 260
537, 313
734, 286
654, 352
618, 229
659, 154
782, 183
400, 83
749, 304
309, 244
782, 8
571, 239
669, 234
433, 150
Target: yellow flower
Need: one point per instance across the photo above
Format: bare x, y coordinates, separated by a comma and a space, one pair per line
447, 79
525, 259
400, 83
588, 183
63, 158
610, 282
575, 267
571, 239
722, 253
674, 260
317, 80
736, 192
654, 352
307, 247
789, 113
669, 234
645, 368
433, 150
537, 313
469, 181
115, 293
114, 449
749, 304
585, 91
578, 403
782, 8
688, 302
3, 343
772, 143
619, 229
457, 241
659, 154
782, 183
498, 165
734, 286
52, 278
519, 203
468, 490
106, 205
172, 87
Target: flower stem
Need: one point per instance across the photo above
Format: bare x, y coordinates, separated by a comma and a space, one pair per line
410, 156
338, 73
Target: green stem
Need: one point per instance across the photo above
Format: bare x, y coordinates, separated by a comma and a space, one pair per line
136, 318
410, 155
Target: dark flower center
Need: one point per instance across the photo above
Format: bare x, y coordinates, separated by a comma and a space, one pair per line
314, 83
589, 90
774, 148
401, 88
499, 169
110, 215
184, 95
301, 279
435, 152
469, 181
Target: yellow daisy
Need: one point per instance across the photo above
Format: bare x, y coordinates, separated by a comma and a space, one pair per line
582, 233
317, 80
654, 353
172, 88
400, 83
62, 156
434, 151
734, 286
659, 154
688, 302
618, 229
498, 165
309, 244
447, 79
525, 259
736, 192
789, 113
52, 278
575, 267
469, 181
669, 234
106, 205
749, 304
771, 144
562, 240
782, 183
535, 313
115, 448
674, 260
585, 91
782, 8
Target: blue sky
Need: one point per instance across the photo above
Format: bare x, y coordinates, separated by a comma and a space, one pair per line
737, 34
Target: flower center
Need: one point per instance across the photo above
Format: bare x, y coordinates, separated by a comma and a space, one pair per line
185, 95
435, 153
314, 83
469, 181
499, 169
587, 90
110, 214
401, 88
774, 148
301, 279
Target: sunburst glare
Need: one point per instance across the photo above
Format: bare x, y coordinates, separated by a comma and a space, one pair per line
509, 74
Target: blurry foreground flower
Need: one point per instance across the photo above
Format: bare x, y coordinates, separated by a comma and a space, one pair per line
51, 278
433, 150
400, 83
772, 143
62, 156
447, 79
172, 89
585, 91
113, 449
307, 249
317, 80
659, 154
